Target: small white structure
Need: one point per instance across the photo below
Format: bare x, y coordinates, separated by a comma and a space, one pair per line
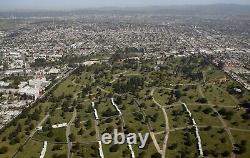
39, 128
95, 111
100, 149
196, 130
60, 125
131, 149
112, 100
44, 149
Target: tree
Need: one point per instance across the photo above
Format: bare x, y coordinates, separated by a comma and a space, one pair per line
50, 133
119, 100
3, 150
81, 132
92, 133
202, 100
77, 146
72, 137
207, 110
125, 153
57, 147
114, 148
172, 146
156, 155
225, 154
88, 124
177, 93
77, 122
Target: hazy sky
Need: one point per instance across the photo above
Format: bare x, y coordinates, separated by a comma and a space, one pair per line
77, 4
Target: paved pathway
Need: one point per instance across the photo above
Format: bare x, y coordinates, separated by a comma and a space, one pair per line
39, 125
166, 122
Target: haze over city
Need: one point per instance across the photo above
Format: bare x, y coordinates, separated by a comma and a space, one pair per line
80, 4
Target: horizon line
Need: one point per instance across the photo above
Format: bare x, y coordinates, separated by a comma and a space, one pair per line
116, 7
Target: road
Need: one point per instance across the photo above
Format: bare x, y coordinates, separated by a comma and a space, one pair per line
152, 135
39, 125
166, 122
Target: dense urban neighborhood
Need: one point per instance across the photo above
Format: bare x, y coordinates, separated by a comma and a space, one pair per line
179, 80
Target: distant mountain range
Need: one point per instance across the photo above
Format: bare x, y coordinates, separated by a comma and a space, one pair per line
215, 9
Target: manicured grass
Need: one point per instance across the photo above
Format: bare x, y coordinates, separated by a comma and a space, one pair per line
59, 135
118, 153
218, 97
60, 117
147, 151
160, 139
204, 115
50, 153
177, 117
104, 106
189, 94
240, 136
162, 96
134, 125
236, 121
108, 125
67, 87
11, 148
86, 150
84, 133
176, 146
154, 115
31, 150
215, 141
213, 75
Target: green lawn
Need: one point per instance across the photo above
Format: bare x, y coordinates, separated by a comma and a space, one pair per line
177, 145
204, 115
162, 96
177, 117
59, 135
86, 150
189, 94
215, 141
218, 97
242, 136
236, 121
31, 150
67, 87
60, 117
61, 150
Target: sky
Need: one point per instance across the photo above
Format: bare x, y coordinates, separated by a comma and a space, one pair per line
79, 4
